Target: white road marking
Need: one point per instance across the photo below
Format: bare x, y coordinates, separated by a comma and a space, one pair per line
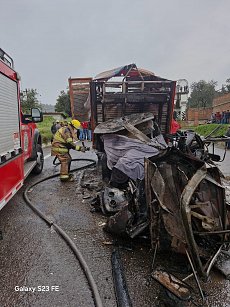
47, 156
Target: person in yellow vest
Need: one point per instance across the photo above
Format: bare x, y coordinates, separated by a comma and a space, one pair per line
63, 141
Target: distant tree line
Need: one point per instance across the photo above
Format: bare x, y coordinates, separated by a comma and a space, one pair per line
29, 100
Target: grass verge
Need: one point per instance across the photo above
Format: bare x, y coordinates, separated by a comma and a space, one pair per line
207, 129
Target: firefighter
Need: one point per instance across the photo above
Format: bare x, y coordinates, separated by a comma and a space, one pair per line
63, 141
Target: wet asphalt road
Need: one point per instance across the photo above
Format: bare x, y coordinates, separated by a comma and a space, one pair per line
33, 255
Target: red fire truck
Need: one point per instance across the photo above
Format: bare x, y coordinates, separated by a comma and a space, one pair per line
20, 141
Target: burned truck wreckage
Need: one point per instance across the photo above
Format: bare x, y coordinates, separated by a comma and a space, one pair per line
157, 183
166, 186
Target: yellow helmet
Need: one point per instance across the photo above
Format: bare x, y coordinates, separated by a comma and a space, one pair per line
75, 123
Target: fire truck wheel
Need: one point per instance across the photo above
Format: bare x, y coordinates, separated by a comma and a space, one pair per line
40, 160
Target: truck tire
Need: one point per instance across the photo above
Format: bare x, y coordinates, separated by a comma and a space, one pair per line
40, 160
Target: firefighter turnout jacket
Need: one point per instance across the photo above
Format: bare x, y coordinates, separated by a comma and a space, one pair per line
63, 141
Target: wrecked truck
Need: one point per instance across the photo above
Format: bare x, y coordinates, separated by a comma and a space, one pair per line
167, 183
167, 186
157, 183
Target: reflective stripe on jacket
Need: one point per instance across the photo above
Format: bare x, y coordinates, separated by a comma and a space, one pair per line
64, 140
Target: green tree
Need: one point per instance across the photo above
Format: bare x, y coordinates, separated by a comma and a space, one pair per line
202, 94
226, 87
63, 103
29, 100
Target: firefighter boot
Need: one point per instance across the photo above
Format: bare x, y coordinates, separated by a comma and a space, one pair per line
65, 178
64, 171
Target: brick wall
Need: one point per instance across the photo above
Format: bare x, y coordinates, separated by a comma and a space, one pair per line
221, 103
202, 114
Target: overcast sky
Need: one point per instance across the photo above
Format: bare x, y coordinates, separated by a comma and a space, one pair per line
51, 40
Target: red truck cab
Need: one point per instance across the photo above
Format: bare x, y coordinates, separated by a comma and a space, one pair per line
20, 141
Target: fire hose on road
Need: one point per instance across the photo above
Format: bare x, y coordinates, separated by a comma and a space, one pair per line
63, 234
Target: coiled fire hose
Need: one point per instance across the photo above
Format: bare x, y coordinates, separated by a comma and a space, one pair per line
63, 234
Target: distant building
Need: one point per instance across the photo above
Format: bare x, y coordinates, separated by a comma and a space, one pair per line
181, 99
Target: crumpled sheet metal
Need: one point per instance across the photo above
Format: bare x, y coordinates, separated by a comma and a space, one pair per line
165, 190
192, 201
116, 124
184, 195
